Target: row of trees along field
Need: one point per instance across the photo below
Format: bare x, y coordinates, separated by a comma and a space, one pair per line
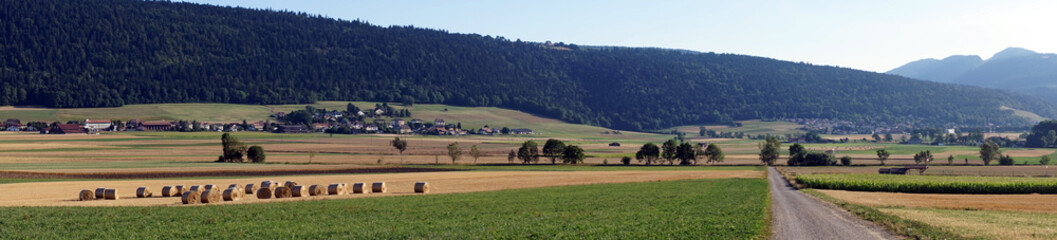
669, 151
111, 53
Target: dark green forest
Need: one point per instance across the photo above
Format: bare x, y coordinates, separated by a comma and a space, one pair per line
109, 53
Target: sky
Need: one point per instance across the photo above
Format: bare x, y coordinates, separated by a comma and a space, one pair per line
869, 35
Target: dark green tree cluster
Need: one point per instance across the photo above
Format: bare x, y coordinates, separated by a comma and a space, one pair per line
80, 53
800, 156
1043, 135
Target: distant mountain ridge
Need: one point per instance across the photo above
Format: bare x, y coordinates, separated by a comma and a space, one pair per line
79, 53
1015, 69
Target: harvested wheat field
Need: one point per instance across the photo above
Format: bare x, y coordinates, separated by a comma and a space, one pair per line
1005, 202
65, 193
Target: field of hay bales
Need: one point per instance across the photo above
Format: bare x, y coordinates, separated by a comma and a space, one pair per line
702, 209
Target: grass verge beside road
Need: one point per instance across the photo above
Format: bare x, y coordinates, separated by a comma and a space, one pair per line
700, 209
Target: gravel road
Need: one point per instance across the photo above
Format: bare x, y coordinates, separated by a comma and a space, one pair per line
799, 216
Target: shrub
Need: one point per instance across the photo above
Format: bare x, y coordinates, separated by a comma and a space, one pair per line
845, 160
812, 159
626, 161
256, 154
1006, 160
1045, 160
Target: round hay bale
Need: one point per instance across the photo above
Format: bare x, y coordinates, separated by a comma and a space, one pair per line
250, 188
345, 187
236, 185
316, 190
180, 189
211, 196
290, 184
168, 191
270, 185
211, 187
283, 192
334, 189
143, 192
300, 191
264, 193
378, 187
422, 187
196, 188
360, 188
86, 195
233, 194
190, 197
100, 193
110, 194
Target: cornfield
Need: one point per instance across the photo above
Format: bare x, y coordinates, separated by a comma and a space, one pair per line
929, 184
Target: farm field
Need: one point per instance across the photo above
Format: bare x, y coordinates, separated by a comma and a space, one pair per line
703, 209
929, 184
64, 193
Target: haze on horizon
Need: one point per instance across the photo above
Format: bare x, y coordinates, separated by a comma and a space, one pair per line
874, 36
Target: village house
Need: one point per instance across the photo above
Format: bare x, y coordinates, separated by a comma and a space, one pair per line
379, 111
13, 122
371, 128
486, 131
398, 122
416, 121
68, 129
319, 127
438, 122
405, 129
97, 125
156, 126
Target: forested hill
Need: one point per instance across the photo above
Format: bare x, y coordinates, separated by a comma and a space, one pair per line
110, 53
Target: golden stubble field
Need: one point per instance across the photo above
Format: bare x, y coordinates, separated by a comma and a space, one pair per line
65, 193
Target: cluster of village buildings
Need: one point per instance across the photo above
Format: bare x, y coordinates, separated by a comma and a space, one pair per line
395, 126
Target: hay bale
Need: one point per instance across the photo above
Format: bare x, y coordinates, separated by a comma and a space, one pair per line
345, 187
290, 184
270, 185
190, 197
180, 189
235, 185
110, 194
233, 194
378, 187
360, 188
168, 191
264, 193
143, 192
250, 188
211, 187
300, 191
100, 193
196, 188
316, 190
86, 195
283, 192
335, 189
422, 187
211, 196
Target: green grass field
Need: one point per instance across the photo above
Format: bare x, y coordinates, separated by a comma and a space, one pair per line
694, 209
929, 184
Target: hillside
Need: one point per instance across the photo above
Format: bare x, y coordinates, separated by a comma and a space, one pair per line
69, 54
1015, 69
469, 117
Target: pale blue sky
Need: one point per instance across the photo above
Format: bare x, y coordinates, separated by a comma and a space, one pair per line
868, 35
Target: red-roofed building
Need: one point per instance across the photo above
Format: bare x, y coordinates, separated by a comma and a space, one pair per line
97, 125
68, 129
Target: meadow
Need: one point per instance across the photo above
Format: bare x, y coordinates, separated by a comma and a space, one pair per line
701, 209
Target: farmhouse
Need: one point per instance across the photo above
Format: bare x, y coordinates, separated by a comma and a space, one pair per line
398, 122
438, 122
293, 129
156, 126
96, 125
371, 128
405, 129
13, 122
68, 129
521, 131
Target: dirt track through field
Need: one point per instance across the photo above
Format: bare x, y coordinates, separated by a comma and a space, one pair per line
65, 193
798, 216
